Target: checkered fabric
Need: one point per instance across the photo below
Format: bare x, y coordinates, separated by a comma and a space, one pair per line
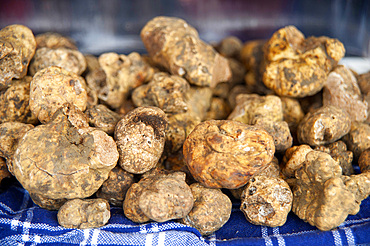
24, 223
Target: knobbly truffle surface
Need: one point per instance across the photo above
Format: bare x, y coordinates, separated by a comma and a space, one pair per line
84, 214
14, 102
323, 126
175, 45
140, 137
211, 210
321, 195
364, 161
250, 107
71, 60
115, 187
70, 160
167, 92
178, 129
10, 135
342, 90
296, 66
357, 139
159, 197
338, 151
101, 117
225, 154
17, 47
266, 201
53, 86
294, 158
54, 40
122, 74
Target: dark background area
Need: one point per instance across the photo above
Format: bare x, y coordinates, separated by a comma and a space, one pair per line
114, 25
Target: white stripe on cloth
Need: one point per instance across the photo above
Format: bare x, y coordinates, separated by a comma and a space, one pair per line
86, 236
346, 222
268, 241
279, 238
336, 236
95, 236
161, 238
149, 239
349, 236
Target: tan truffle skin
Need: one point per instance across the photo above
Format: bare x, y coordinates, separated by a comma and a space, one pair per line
51, 87
115, 187
131, 207
17, 47
272, 170
225, 154
167, 198
159, 196
175, 45
11, 134
199, 101
4, 172
323, 126
294, 158
357, 139
279, 130
364, 161
70, 160
292, 112
211, 210
338, 151
320, 195
71, 60
178, 129
252, 57
140, 138
54, 40
266, 201
101, 117
298, 67
122, 74
47, 203
84, 214
265, 112
250, 107
14, 102
230, 47
341, 90
167, 92
219, 110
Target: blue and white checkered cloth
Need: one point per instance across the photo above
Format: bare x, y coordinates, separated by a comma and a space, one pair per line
24, 223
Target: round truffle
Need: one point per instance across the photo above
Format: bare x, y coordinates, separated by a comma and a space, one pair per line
211, 209
51, 87
225, 154
140, 137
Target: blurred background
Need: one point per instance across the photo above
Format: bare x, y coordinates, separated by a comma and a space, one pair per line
114, 25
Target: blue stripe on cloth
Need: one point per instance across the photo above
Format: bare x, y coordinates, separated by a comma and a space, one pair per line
24, 223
